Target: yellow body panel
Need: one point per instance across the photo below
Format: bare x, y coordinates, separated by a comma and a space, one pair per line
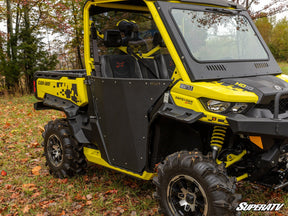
94, 156
240, 178
214, 90
283, 77
73, 90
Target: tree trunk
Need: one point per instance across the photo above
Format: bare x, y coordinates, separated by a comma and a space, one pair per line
9, 28
79, 54
8, 81
77, 37
28, 67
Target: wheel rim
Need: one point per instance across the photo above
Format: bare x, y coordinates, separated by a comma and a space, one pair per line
55, 150
186, 196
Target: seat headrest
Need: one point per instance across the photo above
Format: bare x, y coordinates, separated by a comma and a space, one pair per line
112, 38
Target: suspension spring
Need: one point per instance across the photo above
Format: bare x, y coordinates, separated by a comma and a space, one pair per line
217, 139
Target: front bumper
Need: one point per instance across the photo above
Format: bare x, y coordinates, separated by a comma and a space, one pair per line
262, 126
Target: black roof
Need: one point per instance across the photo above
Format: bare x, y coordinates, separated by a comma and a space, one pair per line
224, 3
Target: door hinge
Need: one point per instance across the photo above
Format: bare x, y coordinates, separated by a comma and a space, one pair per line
87, 82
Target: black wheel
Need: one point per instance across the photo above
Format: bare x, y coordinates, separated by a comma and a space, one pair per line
64, 156
189, 183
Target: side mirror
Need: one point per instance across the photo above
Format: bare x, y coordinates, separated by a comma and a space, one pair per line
112, 38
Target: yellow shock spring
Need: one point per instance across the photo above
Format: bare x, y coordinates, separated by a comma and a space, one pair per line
218, 137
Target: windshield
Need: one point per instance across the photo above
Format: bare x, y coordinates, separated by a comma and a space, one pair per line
213, 36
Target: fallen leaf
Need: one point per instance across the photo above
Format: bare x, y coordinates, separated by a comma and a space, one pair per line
7, 125
36, 194
35, 144
113, 191
86, 178
36, 170
117, 200
3, 173
70, 186
63, 181
79, 206
41, 128
27, 186
14, 196
52, 204
26, 209
24, 160
89, 202
78, 197
89, 196
3, 209
8, 186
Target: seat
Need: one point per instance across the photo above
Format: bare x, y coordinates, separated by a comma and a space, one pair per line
166, 66
149, 69
120, 66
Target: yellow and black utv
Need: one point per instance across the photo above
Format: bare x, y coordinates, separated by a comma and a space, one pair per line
184, 92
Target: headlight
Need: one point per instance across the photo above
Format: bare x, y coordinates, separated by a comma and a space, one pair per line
217, 106
239, 107
222, 107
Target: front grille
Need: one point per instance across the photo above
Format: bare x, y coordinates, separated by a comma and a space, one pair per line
283, 106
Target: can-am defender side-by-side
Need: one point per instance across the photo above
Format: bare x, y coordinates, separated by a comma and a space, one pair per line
185, 93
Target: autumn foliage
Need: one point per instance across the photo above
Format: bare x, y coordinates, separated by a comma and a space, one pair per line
25, 47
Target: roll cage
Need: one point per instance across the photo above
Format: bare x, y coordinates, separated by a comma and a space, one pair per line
187, 68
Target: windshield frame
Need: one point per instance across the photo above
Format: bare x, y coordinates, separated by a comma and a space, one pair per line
211, 70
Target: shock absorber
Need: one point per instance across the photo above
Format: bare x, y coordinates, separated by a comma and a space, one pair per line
217, 140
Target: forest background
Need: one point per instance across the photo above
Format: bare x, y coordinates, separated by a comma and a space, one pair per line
47, 35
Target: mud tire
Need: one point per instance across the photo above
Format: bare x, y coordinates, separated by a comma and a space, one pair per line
217, 191
64, 156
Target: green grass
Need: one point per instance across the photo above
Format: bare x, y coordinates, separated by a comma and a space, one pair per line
99, 192
284, 67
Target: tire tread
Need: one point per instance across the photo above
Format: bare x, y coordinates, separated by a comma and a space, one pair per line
74, 159
219, 187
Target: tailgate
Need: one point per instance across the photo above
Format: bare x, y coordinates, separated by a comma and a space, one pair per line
68, 85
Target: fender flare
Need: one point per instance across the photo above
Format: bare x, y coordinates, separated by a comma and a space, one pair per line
176, 116
71, 110
177, 113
